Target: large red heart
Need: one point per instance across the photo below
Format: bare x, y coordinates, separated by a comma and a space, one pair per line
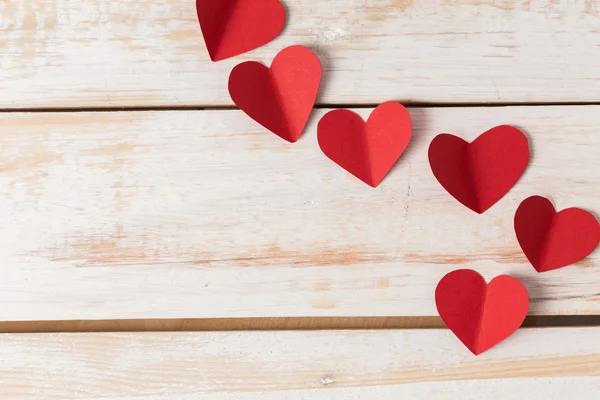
279, 98
232, 27
481, 315
480, 173
552, 240
366, 150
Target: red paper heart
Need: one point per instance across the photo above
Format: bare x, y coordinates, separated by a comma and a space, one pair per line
481, 315
480, 173
552, 240
366, 150
232, 27
279, 98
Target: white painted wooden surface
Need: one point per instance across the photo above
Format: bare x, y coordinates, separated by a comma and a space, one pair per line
110, 53
533, 364
195, 214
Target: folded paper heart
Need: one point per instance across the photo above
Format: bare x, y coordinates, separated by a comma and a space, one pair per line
282, 97
232, 27
366, 150
481, 315
551, 239
480, 173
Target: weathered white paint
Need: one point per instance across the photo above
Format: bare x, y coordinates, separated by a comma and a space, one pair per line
198, 214
111, 53
533, 364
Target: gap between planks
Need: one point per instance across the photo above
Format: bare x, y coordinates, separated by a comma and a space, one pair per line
223, 107
265, 324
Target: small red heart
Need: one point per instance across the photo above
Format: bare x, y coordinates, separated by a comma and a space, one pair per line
551, 239
279, 98
233, 27
480, 173
481, 315
366, 150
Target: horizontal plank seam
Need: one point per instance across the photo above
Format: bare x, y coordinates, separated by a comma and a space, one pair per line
318, 106
268, 324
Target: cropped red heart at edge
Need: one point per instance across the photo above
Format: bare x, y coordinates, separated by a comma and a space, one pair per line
233, 27
366, 150
480, 173
481, 315
552, 240
281, 97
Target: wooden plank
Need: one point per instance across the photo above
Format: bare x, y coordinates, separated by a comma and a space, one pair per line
110, 53
545, 363
201, 214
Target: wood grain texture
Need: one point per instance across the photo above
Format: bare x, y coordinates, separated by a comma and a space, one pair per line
110, 53
299, 365
137, 215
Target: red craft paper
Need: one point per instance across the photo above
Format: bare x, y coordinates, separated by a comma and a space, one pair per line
233, 27
551, 239
480, 173
282, 97
366, 150
481, 315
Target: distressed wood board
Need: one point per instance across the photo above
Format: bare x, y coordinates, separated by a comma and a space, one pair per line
111, 53
537, 363
203, 214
